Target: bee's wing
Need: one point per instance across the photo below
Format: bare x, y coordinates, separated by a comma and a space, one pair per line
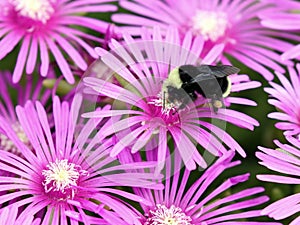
201, 77
206, 72
221, 70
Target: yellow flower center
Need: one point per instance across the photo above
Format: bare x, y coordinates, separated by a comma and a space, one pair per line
163, 215
62, 176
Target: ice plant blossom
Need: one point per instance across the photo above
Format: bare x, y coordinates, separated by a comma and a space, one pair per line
32, 90
232, 23
284, 16
143, 66
49, 26
183, 204
285, 161
68, 171
285, 97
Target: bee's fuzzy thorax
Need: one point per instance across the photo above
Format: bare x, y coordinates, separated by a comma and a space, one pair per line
174, 79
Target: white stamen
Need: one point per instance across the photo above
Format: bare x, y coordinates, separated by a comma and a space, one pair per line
167, 216
61, 176
40, 10
210, 24
8, 145
166, 106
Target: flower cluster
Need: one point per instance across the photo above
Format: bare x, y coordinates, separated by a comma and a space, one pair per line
131, 112
232, 23
45, 26
150, 123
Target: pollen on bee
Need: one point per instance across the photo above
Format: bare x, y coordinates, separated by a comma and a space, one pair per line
218, 104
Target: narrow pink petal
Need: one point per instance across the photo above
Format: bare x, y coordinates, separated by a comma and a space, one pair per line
61, 61
80, 3
94, 24
4, 215
195, 50
242, 101
32, 56
70, 50
91, 8
142, 140
112, 90
72, 35
213, 54
282, 116
291, 53
295, 221
245, 86
253, 65
21, 60
125, 141
196, 133
280, 24
186, 148
162, 150
278, 179
233, 197
9, 42
127, 195
110, 113
185, 49
44, 57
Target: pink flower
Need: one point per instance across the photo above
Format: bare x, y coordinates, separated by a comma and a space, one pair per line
69, 170
285, 161
233, 23
143, 66
32, 90
48, 26
285, 98
199, 203
283, 16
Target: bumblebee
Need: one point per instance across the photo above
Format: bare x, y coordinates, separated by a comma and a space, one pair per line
186, 81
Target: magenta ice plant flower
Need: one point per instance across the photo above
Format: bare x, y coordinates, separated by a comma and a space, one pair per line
143, 66
192, 203
286, 98
67, 171
285, 160
30, 89
284, 16
41, 27
232, 23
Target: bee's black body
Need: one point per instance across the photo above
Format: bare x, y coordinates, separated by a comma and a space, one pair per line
209, 81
